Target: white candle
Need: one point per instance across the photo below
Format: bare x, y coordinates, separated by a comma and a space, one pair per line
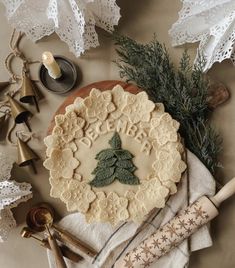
50, 63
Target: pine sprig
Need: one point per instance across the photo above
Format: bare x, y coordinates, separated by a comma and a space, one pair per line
183, 91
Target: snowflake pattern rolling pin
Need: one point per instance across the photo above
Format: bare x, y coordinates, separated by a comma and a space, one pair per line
114, 156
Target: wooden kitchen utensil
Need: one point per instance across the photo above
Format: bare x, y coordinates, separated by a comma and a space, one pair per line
44, 224
71, 239
42, 213
176, 230
60, 263
67, 252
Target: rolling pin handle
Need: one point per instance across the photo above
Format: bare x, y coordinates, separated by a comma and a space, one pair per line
227, 191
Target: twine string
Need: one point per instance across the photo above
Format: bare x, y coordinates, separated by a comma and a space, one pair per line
16, 52
14, 78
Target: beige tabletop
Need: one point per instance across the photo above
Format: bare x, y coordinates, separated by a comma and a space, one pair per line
140, 20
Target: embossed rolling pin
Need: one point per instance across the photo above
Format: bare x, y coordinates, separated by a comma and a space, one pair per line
176, 230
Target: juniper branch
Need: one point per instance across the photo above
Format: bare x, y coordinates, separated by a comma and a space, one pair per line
183, 91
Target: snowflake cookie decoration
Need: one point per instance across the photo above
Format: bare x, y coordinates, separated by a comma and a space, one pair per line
62, 162
12, 194
70, 125
113, 208
99, 104
74, 21
126, 160
138, 107
212, 24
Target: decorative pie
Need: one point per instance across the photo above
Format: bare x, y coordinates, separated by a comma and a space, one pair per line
114, 156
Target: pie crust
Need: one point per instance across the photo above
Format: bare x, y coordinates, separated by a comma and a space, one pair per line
146, 131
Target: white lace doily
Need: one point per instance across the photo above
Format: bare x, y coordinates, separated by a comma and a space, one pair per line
6, 164
11, 194
7, 222
212, 23
73, 20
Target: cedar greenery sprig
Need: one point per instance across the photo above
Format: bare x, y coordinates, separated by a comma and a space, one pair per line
183, 91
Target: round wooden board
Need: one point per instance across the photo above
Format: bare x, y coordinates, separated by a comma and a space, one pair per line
83, 92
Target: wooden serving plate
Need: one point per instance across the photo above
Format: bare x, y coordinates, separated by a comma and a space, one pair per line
84, 92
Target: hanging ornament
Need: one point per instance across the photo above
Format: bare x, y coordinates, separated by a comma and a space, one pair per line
26, 155
19, 113
212, 24
10, 107
2, 120
74, 21
3, 85
28, 91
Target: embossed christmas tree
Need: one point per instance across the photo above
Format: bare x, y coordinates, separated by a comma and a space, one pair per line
114, 163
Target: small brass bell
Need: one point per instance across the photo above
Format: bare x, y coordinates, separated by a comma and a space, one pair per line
26, 155
3, 85
19, 113
28, 91
2, 121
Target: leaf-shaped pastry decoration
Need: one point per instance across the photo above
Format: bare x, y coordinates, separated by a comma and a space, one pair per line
114, 163
126, 177
105, 154
123, 154
97, 169
125, 164
107, 163
105, 173
115, 142
132, 169
98, 182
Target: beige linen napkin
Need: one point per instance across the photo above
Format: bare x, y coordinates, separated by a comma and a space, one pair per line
113, 243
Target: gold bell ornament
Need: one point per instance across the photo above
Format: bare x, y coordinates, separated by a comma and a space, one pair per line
3, 85
19, 113
4, 116
26, 155
28, 91
2, 119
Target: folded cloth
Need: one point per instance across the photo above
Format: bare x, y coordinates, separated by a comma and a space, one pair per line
113, 243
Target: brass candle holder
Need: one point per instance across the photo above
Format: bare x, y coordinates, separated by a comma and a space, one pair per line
67, 80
